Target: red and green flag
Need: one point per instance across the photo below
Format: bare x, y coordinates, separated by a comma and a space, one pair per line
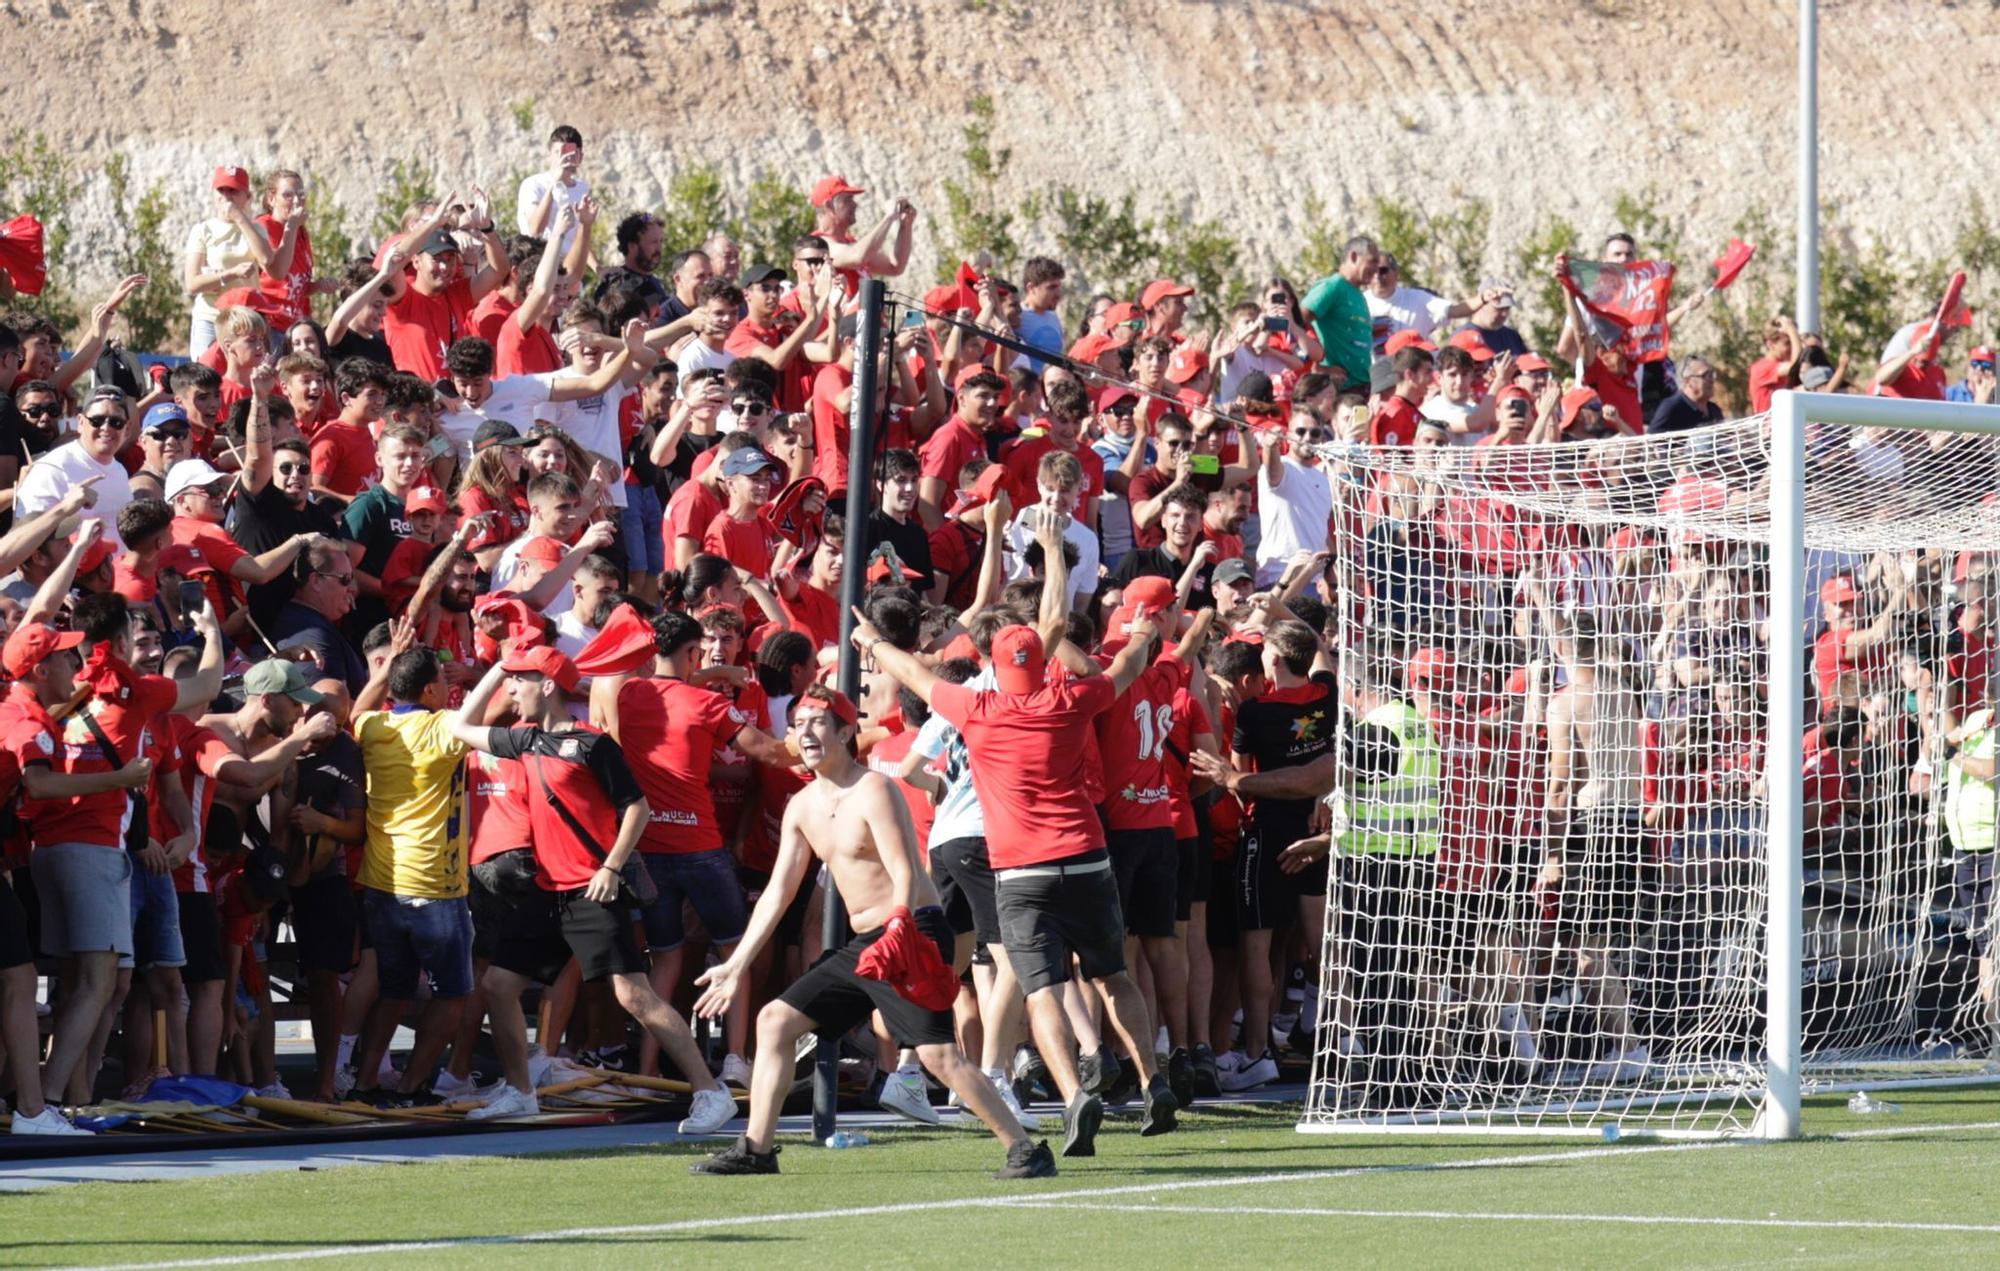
1632, 294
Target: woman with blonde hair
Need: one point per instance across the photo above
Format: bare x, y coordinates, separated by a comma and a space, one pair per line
495, 486
288, 285
225, 249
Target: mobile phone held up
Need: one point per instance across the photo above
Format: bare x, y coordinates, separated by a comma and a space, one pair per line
194, 594
1272, 323
1205, 465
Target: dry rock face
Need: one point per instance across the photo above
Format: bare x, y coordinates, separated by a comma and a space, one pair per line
1237, 111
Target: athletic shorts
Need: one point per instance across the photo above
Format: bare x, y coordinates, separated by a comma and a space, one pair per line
547, 930
706, 880
14, 946
86, 894
1147, 866
324, 917
156, 921
1393, 903
836, 997
1266, 897
201, 938
1052, 911
1972, 900
493, 905
970, 873
1604, 872
1191, 863
792, 923
419, 937
1221, 925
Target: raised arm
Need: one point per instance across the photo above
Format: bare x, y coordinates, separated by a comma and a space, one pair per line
542, 288
467, 722
905, 668
84, 359
21, 542
390, 275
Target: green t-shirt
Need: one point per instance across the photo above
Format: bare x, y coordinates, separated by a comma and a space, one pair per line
1968, 801
1345, 331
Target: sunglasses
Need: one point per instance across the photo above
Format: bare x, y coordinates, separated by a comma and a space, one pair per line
809, 261
45, 410
1310, 434
169, 434
105, 421
1176, 445
1124, 410
291, 469
1982, 366
345, 580
750, 408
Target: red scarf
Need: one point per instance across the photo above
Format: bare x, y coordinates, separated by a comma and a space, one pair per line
109, 677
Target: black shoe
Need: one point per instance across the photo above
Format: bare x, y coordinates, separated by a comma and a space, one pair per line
1124, 1081
1180, 1076
1025, 1159
737, 1158
1080, 1121
1094, 1071
1207, 1084
1161, 1105
1031, 1078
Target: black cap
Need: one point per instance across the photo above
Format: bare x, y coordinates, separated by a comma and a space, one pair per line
763, 273
496, 432
1255, 387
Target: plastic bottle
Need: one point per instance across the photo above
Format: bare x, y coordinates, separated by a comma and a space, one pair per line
847, 1138
1863, 1104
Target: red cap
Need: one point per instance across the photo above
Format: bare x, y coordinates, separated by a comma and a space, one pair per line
1193, 399
543, 659
1980, 354
836, 702
1575, 400
981, 492
1838, 590
1531, 362
512, 610
1019, 660
1511, 392
827, 189
961, 646
1116, 635
1407, 338
1255, 639
968, 371
1631, 538
1159, 290
235, 180
1120, 314
879, 566
425, 498
33, 642
1090, 348
1109, 397
1427, 665
542, 551
623, 645
185, 560
1148, 595
94, 556
1186, 363
1469, 339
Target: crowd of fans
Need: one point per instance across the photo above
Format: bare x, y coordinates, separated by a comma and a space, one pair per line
259, 608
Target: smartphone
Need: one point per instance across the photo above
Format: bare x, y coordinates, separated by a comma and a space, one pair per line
194, 594
913, 318
1277, 324
1205, 465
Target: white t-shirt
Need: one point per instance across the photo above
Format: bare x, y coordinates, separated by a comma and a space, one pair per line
1082, 578
592, 422
1409, 309
217, 245
696, 355
1240, 362
520, 400
50, 477
1441, 409
1294, 516
509, 565
530, 198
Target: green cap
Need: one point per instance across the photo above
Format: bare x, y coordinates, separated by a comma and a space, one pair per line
276, 675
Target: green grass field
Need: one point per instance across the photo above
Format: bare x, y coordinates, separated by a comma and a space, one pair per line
1238, 1185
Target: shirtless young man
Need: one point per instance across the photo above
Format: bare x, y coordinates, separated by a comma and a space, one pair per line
855, 822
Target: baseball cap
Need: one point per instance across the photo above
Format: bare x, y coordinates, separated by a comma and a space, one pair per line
968, 371
837, 703
1147, 596
1531, 362
424, 498
1628, 539
279, 675
1981, 354
1427, 665
34, 641
1469, 339
1838, 590
541, 550
884, 564
1815, 376
1186, 363
1090, 348
437, 243
1255, 387
1122, 314
763, 273
1383, 376
94, 556
185, 560
827, 189
1116, 393
1161, 289
1576, 401
162, 413
1019, 660
510, 608
190, 474
1233, 570
981, 491
236, 180
496, 432
1407, 338
745, 462
545, 660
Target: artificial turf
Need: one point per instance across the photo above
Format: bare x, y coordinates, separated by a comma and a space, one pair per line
1190, 1199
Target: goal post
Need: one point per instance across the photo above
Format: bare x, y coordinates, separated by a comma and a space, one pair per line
1579, 682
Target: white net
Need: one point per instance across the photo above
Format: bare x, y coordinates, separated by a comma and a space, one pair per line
1547, 902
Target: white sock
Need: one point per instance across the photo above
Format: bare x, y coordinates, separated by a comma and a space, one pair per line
909, 1070
345, 1055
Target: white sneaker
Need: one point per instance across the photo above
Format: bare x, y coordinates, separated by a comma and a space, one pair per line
711, 1110
1261, 1073
1620, 1067
343, 1081
903, 1094
276, 1090
1230, 1061
1005, 1089
506, 1102
1514, 1025
735, 1072
50, 1122
1350, 1046
453, 1089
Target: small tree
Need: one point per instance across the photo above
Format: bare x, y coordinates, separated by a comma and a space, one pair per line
776, 213
408, 185
37, 178
151, 313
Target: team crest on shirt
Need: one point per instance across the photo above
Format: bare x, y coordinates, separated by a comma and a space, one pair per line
1306, 727
570, 749
45, 743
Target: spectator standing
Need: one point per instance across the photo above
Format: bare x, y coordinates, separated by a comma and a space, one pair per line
1339, 311
225, 249
560, 184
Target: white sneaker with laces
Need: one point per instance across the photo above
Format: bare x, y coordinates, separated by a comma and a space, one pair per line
1263, 1072
1005, 1089
1621, 1066
506, 1102
735, 1072
1230, 1061
710, 1111
452, 1088
903, 1094
48, 1122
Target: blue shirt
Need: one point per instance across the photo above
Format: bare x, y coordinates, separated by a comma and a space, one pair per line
1959, 392
1043, 331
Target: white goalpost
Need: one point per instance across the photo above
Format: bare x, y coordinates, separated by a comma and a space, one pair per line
1652, 813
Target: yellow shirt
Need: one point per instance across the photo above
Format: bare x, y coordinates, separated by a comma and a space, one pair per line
416, 809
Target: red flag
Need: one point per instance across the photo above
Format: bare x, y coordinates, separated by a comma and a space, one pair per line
1633, 294
1731, 262
22, 256
1950, 313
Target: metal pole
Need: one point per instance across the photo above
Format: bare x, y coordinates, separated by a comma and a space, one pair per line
853, 581
1785, 832
1808, 228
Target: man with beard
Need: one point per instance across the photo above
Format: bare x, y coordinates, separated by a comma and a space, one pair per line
442, 607
273, 502
641, 240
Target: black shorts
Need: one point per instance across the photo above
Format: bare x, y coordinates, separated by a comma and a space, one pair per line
1049, 912
1147, 866
1393, 903
325, 918
792, 925
971, 873
1972, 897
493, 905
1266, 896
14, 946
1221, 925
546, 931
1190, 877
1604, 873
836, 997
201, 938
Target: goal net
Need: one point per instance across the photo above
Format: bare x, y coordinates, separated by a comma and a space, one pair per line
1561, 815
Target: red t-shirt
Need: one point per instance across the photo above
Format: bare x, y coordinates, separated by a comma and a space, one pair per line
493, 309
420, 328
70, 747
732, 775
689, 513
1926, 383
1023, 456
949, 449
794, 377
1395, 424
289, 299
813, 612
221, 552
530, 352
830, 427
202, 754
670, 730
343, 457
1970, 666
1190, 721
1767, 376
512, 523
1617, 393
748, 545
1027, 765
1831, 657
1132, 737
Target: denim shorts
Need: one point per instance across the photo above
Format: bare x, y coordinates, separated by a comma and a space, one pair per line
156, 921
639, 530
708, 881
86, 895
415, 936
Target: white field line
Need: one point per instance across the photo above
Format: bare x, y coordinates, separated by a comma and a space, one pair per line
1044, 1199
1459, 1215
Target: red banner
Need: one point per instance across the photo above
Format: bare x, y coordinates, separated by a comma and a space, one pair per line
1635, 294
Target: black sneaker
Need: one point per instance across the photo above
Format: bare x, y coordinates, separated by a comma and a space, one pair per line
1091, 1071
737, 1158
1180, 1076
1207, 1084
1080, 1121
1031, 1078
1124, 1081
1025, 1159
1161, 1105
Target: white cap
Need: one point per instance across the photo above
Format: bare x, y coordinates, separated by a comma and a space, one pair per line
189, 474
